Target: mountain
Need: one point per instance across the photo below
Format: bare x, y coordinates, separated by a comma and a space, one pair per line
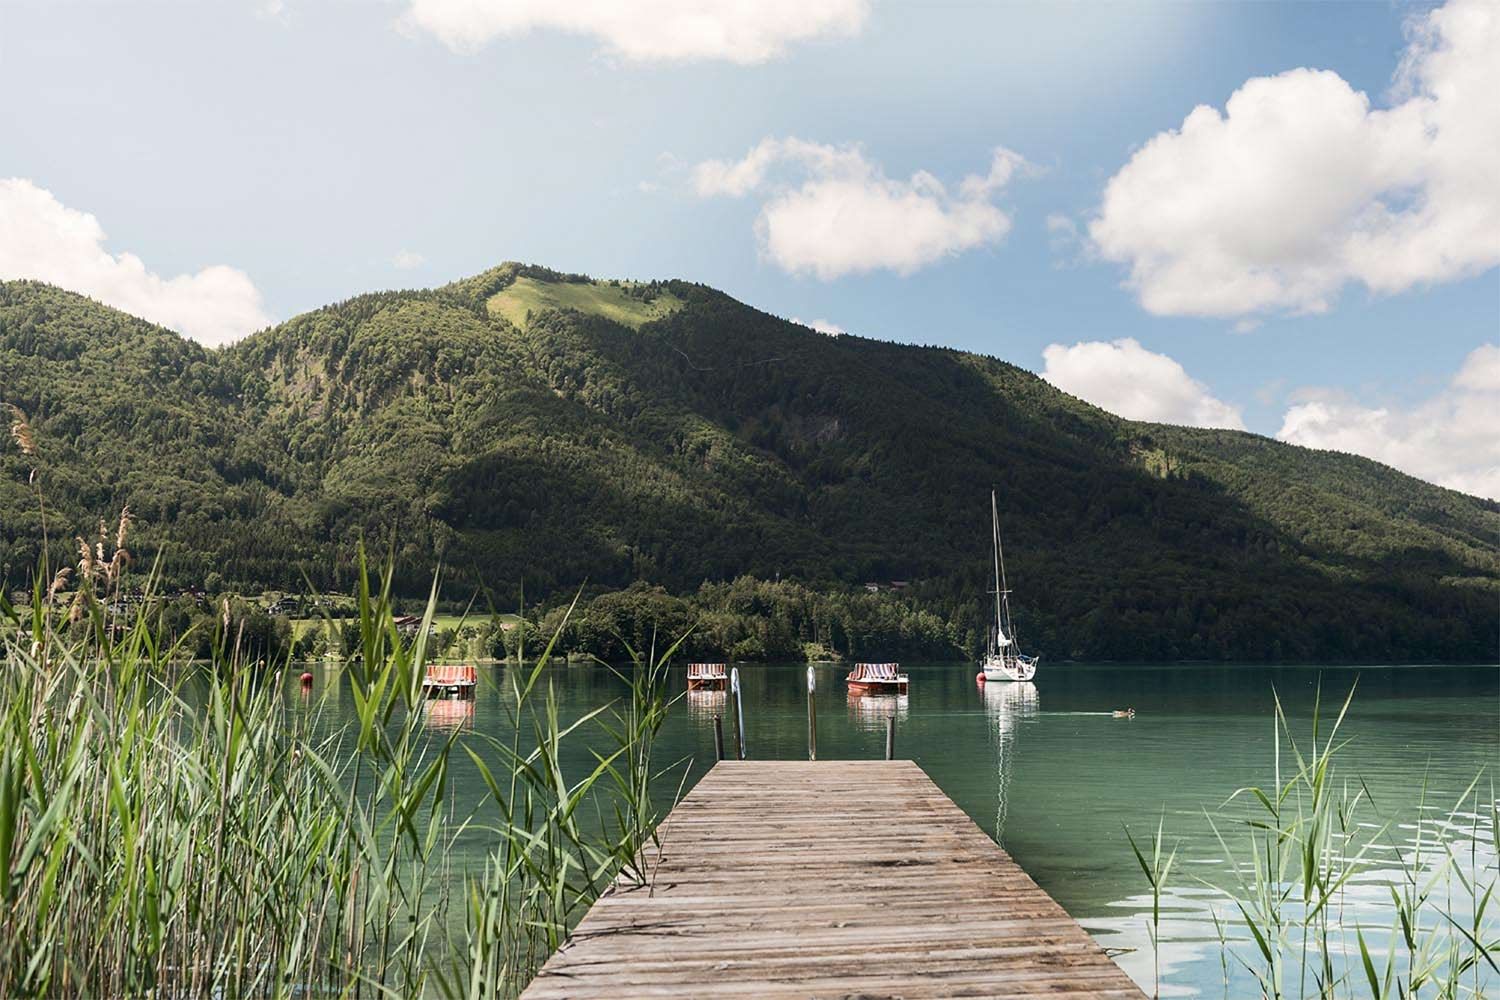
529, 426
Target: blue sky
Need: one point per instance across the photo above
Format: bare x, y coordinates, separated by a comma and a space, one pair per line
310, 151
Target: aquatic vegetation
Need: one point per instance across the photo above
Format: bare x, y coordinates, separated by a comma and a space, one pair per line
1158, 869
1329, 899
175, 831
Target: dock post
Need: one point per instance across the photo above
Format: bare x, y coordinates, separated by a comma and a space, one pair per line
812, 715
739, 711
718, 737
890, 737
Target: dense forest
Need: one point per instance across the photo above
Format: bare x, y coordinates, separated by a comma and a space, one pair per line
684, 457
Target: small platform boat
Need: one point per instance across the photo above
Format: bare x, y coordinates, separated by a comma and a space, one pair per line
707, 676
877, 678
450, 681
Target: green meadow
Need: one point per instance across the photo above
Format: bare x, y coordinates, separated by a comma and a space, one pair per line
626, 303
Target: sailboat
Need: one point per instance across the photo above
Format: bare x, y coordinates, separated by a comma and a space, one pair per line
1002, 661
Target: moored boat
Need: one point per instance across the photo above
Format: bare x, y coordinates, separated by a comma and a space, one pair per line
1002, 661
442, 680
707, 676
877, 678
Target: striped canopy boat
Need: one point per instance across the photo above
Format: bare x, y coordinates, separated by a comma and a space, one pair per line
450, 680
707, 675
873, 678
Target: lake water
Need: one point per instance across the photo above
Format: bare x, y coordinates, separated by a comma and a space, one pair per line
1047, 771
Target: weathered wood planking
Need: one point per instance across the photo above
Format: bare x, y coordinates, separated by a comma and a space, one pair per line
850, 879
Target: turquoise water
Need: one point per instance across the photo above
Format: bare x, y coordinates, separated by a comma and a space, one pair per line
1046, 770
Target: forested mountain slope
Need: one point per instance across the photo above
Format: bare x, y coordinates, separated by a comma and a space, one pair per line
528, 425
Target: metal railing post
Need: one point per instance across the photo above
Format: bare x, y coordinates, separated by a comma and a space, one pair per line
739, 711
812, 715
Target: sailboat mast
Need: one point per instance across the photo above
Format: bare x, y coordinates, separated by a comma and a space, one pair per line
995, 527
1008, 627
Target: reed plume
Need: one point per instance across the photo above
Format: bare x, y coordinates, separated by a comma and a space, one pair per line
20, 430
86, 563
120, 533
59, 581
22, 434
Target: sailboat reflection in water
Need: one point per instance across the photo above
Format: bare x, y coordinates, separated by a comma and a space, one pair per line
1007, 706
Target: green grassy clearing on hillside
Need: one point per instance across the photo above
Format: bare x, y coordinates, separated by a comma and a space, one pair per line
610, 301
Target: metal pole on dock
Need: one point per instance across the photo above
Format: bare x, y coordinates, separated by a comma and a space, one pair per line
812, 715
718, 737
890, 737
739, 711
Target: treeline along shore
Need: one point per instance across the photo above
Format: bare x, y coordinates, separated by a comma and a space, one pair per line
744, 620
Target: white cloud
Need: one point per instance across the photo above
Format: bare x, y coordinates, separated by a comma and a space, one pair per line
738, 31
1480, 371
1299, 187
1126, 379
846, 217
1452, 439
42, 238
822, 326
407, 260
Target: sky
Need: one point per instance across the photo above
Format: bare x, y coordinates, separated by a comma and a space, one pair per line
1278, 217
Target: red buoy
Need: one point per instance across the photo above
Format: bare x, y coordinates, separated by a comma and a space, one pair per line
979, 677
306, 678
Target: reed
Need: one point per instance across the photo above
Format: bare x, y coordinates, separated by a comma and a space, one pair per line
1157, 869
1335, 902
176, 832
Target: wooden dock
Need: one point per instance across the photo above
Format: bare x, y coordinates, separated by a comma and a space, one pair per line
850, 879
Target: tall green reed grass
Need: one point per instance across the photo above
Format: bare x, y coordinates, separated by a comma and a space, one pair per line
1328, 900
187, 832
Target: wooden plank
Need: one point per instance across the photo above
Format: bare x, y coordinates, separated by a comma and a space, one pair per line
828, 879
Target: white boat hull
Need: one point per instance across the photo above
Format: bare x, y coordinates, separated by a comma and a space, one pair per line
997, 668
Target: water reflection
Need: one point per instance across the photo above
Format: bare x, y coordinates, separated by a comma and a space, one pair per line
703, 704
449, 715
1007, 705
1063, 785
869, 711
